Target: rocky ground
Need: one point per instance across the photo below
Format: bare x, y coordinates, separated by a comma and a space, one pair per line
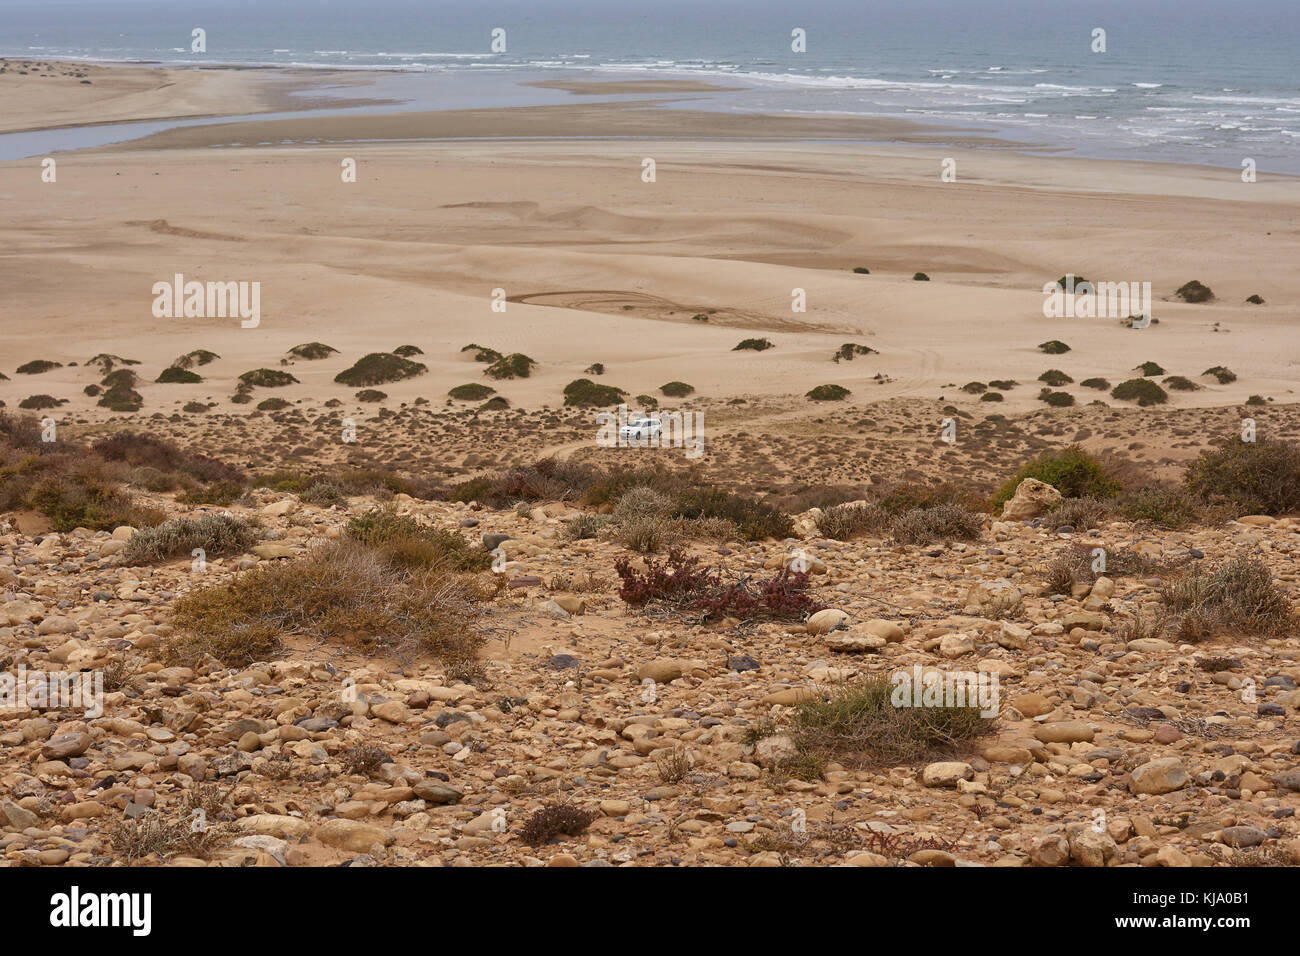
1105, 753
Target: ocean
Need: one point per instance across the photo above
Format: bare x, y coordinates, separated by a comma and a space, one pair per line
1186, 81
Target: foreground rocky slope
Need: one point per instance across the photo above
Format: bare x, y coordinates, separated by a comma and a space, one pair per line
1110, 748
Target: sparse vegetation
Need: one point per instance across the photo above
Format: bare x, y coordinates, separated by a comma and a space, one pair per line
859, 726
755, 345
845, 522
1100, 384
341, 591
942, 522
1240, 597
1054, 347
677, 389
556, 820
1226, 376
1149, 369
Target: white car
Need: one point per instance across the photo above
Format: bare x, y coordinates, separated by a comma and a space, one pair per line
639, 432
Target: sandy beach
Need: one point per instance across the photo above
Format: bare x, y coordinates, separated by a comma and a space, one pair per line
599, 266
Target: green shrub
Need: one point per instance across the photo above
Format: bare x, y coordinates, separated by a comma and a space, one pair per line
1003, 385
267, 378
920, 277
862, 270
1055, 378
1071, 471
828, 393
514, 365
942, 522
406, 351
1180, 383
585, 392
1255, 300
1056, 399
341, 592
1149, 369
380, 368
1194, 291
844, 522
1079, 513
1098, 383
1256, 400
196, 357
1140, 390
1259, 477
38, 402
585, 525
991, 397
405, 541
975, 388
37, 366
1165, 507
860, 726
313, 350
471, 392
180, 376
217, 535
273, 405
677, 389
755, 345
482, 353
84, 499
371, 395
754, 519
1226, 376
850, 350
1240, 597
1078, 281
1054, 347
595, 368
